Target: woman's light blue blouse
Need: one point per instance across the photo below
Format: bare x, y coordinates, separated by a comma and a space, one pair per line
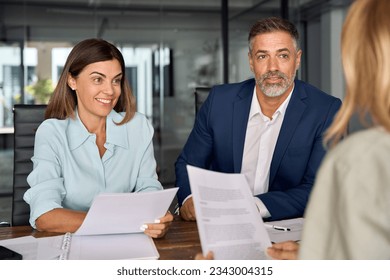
68, 171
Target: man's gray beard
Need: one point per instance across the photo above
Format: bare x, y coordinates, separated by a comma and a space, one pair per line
275, 90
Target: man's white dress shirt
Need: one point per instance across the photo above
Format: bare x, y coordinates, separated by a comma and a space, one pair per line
260, 141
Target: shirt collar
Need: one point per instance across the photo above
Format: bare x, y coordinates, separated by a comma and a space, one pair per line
115, 134
255, 106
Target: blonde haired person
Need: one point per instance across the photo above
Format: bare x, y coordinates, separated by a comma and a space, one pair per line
348, 214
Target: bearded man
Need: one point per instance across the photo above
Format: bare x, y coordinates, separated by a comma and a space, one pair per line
268, 128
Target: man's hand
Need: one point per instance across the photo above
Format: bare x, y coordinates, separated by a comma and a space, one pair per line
209, 256
187, 210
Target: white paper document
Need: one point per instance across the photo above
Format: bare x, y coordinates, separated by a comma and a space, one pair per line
228, 221
112, 228
32, 248
112, 213
112, 247
110, 231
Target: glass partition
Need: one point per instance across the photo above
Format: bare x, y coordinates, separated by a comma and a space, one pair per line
15, 74
170, 47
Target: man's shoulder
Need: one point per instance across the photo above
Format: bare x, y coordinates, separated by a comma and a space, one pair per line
232, 90
314, 92
235, 86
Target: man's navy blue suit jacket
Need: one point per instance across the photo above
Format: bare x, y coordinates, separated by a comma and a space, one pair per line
217, 142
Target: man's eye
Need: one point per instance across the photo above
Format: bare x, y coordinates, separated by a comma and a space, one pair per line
285, 56
262, 56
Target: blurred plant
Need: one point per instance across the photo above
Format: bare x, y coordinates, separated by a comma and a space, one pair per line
41, 90
17, 98
205, 65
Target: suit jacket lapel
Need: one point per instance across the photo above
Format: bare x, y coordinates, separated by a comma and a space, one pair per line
294, 112
241, 109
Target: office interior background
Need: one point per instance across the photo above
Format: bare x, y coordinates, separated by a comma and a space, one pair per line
170, 48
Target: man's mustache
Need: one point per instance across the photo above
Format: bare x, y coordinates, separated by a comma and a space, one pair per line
272, 74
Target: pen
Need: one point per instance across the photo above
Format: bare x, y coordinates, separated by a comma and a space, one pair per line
277, 227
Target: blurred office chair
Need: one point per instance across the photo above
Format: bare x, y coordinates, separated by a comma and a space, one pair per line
27, 118
201, 94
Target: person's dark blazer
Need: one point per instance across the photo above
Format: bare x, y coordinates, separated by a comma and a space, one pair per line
217, 142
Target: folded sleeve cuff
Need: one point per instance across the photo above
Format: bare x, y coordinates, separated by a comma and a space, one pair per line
261, 207
43, 198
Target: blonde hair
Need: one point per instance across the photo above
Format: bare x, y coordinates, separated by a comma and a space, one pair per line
365, 50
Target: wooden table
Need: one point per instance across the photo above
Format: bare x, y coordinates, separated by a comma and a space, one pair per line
180, 243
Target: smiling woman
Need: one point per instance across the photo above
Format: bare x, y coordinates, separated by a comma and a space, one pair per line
87, 146
84, 57
97, 88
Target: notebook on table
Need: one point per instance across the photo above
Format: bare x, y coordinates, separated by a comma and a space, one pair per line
110, 231
112, 228
108, 247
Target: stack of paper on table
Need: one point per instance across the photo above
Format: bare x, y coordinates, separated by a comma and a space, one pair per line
32, 248
294, 233
111, 230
